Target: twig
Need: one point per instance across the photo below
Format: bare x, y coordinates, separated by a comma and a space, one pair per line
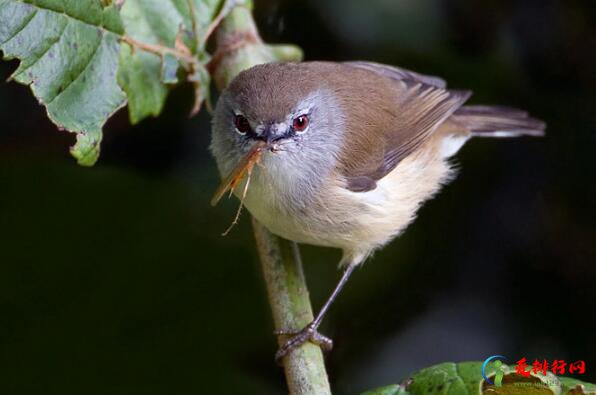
195, 24
232, 44
280, 259
288, 296
159, 50
225, 10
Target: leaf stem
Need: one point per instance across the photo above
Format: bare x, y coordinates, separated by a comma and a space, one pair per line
195, 25
227, 6
160, 50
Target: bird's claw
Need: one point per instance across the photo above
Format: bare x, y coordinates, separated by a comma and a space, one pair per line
309, 333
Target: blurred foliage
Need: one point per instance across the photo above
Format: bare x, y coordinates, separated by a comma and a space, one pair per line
465, 378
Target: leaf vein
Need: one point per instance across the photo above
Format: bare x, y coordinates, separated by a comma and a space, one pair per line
80, 73
100, 26
41, 55
21, 28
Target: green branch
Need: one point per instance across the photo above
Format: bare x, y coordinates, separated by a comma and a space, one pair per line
239, 47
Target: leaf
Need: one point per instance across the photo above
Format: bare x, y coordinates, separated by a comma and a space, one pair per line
576, 387
157, 22
85, 59
152, 22
206, 11
69, 57
465, 378
201, 80
452, 378
393, 389
73, 58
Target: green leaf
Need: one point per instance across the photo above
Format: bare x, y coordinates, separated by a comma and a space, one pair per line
206, 11
158, 22
201, 81
465, 378
86, 149
69, 57
151, 22
85, 59
393, 389
449, 378
73, 58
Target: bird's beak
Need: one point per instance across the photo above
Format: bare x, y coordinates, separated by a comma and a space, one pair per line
271, 133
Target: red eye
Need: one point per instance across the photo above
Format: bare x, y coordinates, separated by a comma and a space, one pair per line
242, 125
300, 123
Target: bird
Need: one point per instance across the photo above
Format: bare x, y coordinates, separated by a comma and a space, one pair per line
343, 154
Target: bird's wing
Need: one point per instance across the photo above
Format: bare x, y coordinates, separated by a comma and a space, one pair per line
398, 73
399, 116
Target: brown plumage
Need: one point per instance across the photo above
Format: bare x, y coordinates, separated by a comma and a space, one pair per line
396, 110
375, 146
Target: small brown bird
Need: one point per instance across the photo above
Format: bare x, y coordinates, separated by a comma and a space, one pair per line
347, 152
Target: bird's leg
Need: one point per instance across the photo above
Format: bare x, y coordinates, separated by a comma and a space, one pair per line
310, 332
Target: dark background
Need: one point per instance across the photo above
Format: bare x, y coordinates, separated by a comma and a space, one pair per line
115, 279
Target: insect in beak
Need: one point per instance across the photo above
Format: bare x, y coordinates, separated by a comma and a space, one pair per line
243, 167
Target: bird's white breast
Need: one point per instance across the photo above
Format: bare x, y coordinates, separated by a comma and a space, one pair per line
331, 215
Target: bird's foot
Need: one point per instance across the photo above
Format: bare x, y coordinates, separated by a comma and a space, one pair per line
309, 333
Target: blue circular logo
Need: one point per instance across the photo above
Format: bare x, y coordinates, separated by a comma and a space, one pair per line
486, 363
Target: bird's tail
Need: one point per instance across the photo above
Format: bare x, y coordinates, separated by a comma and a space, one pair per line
496, 121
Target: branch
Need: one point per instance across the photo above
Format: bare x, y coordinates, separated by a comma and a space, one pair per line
160, 50
239, 47
226, 7
290, 303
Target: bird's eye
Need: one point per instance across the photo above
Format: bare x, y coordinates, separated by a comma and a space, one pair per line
300, 123
242, 125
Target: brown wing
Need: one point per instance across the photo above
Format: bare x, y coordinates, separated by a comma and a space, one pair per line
400, 116
398, 73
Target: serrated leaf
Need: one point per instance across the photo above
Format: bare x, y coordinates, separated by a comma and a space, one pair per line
152, 22
85, 59
69, 58
156, 22
73, 58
